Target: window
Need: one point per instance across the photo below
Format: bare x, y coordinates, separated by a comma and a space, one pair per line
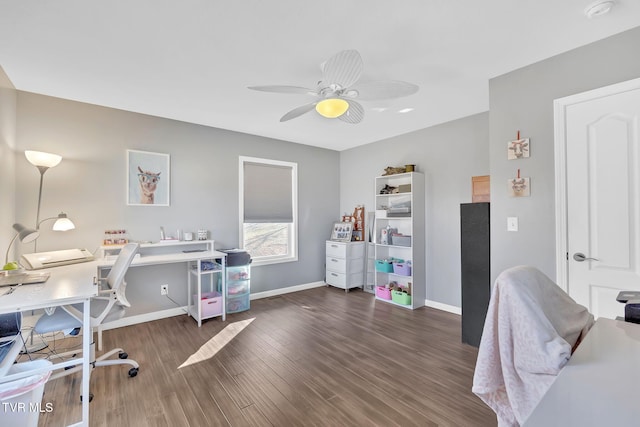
269, 210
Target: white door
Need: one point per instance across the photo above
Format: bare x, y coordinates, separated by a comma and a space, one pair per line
602, 196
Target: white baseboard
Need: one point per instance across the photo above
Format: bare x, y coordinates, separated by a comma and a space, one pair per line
177, 311
146, 317
444, 307
287, 290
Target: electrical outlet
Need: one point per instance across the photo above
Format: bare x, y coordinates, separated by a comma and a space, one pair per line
164, 289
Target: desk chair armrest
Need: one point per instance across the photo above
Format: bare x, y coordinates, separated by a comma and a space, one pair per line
73, 312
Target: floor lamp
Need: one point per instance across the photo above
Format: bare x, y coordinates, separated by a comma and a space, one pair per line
43, 161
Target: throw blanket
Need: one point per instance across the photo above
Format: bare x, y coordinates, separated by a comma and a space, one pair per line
529, 332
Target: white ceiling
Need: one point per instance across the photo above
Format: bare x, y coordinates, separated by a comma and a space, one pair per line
192, 60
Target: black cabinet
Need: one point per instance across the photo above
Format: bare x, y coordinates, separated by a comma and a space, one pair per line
476, 269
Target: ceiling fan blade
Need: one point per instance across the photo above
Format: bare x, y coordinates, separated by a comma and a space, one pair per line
354, 114
344, 68
375, 91
284, 89
296, 112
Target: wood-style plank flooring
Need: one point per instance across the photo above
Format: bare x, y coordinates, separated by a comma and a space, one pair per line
320, 357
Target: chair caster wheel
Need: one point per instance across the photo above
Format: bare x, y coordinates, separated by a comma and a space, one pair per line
133, 372
123, 355
90, 397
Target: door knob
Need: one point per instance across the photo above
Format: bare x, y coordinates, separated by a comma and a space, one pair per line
580, 257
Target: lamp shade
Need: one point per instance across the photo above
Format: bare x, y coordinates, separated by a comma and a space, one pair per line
332, 107
40, 158
63, 223
25, 234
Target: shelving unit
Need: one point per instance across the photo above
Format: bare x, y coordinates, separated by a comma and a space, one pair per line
400, 234
203, 304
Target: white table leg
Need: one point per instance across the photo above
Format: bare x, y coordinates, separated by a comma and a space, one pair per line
86, 363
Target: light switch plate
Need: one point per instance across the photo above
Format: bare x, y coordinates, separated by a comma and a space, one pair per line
512, 223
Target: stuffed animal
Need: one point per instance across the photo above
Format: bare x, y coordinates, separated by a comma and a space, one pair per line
388, 189
392, 171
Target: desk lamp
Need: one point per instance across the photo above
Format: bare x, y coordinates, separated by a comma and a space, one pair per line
25, 235
63, 223
43, 161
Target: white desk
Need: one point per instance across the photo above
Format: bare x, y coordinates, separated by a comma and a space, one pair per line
67, 285
599, 384
171, 253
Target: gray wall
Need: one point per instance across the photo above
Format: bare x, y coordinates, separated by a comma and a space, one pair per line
523, 100
90, 186
8, 97
90, 182
449, 155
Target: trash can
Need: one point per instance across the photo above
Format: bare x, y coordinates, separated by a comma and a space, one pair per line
21, 399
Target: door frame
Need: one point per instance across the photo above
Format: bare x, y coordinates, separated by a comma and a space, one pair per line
560, 106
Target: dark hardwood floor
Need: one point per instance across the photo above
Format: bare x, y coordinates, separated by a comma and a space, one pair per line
320, 357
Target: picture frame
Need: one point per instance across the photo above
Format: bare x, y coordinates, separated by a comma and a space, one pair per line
341, 231
519, 187
519, 149
148, 178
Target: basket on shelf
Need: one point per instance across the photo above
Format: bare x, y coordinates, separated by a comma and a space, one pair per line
400, 297
402, 268
383, 292
386, 265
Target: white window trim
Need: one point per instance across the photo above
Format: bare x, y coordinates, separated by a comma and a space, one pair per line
293, 238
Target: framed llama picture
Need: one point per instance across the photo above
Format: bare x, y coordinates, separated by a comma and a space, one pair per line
148, 178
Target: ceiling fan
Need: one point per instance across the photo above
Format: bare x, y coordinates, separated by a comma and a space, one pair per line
338, 93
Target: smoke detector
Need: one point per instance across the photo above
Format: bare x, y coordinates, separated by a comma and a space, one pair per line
598, 8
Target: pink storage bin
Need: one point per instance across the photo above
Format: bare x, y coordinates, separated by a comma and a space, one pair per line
211, 303
382, 292
402, 268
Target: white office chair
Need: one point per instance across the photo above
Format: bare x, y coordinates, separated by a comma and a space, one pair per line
108, 306
531, 329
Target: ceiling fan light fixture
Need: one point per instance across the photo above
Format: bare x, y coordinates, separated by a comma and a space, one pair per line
332, 108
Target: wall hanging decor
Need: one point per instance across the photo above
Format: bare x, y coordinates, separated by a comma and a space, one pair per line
518, 186
518, 149
148, 178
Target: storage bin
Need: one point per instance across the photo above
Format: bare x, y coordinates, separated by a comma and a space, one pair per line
211, 303
236, 257
382, 292
400, 240
235, 304
402, 268
404, 188
386, 265
238, 273
400, 297
237, 288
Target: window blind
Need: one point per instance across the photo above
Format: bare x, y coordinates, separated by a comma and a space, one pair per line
267, 193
